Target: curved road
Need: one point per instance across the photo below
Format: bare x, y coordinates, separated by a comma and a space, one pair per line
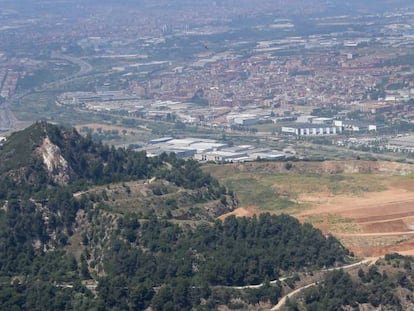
84, 69
7, 117
367, 260
282, 301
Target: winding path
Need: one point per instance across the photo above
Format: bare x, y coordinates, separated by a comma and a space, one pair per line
282, 301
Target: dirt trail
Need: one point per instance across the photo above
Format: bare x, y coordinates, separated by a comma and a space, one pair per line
384, 234
282, 301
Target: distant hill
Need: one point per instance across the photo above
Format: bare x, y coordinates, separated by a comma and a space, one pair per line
329, 7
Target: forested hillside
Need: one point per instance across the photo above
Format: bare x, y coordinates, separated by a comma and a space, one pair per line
64, 245
387, 285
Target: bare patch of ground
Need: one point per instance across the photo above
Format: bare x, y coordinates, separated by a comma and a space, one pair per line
371, 224
248, 211
384, 226
368, 205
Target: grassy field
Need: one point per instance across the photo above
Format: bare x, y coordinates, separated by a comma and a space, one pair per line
250, 191
281, 191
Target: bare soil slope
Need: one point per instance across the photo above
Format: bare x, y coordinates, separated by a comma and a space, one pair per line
370, 223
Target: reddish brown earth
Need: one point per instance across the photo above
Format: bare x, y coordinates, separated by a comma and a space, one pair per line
373, 224
370, 224
248, 211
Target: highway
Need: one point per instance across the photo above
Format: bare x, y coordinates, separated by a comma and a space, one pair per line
84, 69
7, 117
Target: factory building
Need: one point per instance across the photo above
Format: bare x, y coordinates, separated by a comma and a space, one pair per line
312, 130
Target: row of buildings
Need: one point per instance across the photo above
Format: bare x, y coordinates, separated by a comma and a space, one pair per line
316, 126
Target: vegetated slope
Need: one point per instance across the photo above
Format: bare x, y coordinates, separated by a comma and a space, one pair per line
41, 166
164, 198
52, 240
189, 262
387, 285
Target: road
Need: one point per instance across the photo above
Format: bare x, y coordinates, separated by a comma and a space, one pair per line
374, 234
367, 260
84, 69
7, 117
92, 285
282, 301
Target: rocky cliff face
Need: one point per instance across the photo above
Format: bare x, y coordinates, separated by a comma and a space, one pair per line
57, 166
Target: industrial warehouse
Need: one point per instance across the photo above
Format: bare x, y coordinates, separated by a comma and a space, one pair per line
210, 150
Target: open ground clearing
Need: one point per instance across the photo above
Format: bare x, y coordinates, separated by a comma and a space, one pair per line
369, 206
